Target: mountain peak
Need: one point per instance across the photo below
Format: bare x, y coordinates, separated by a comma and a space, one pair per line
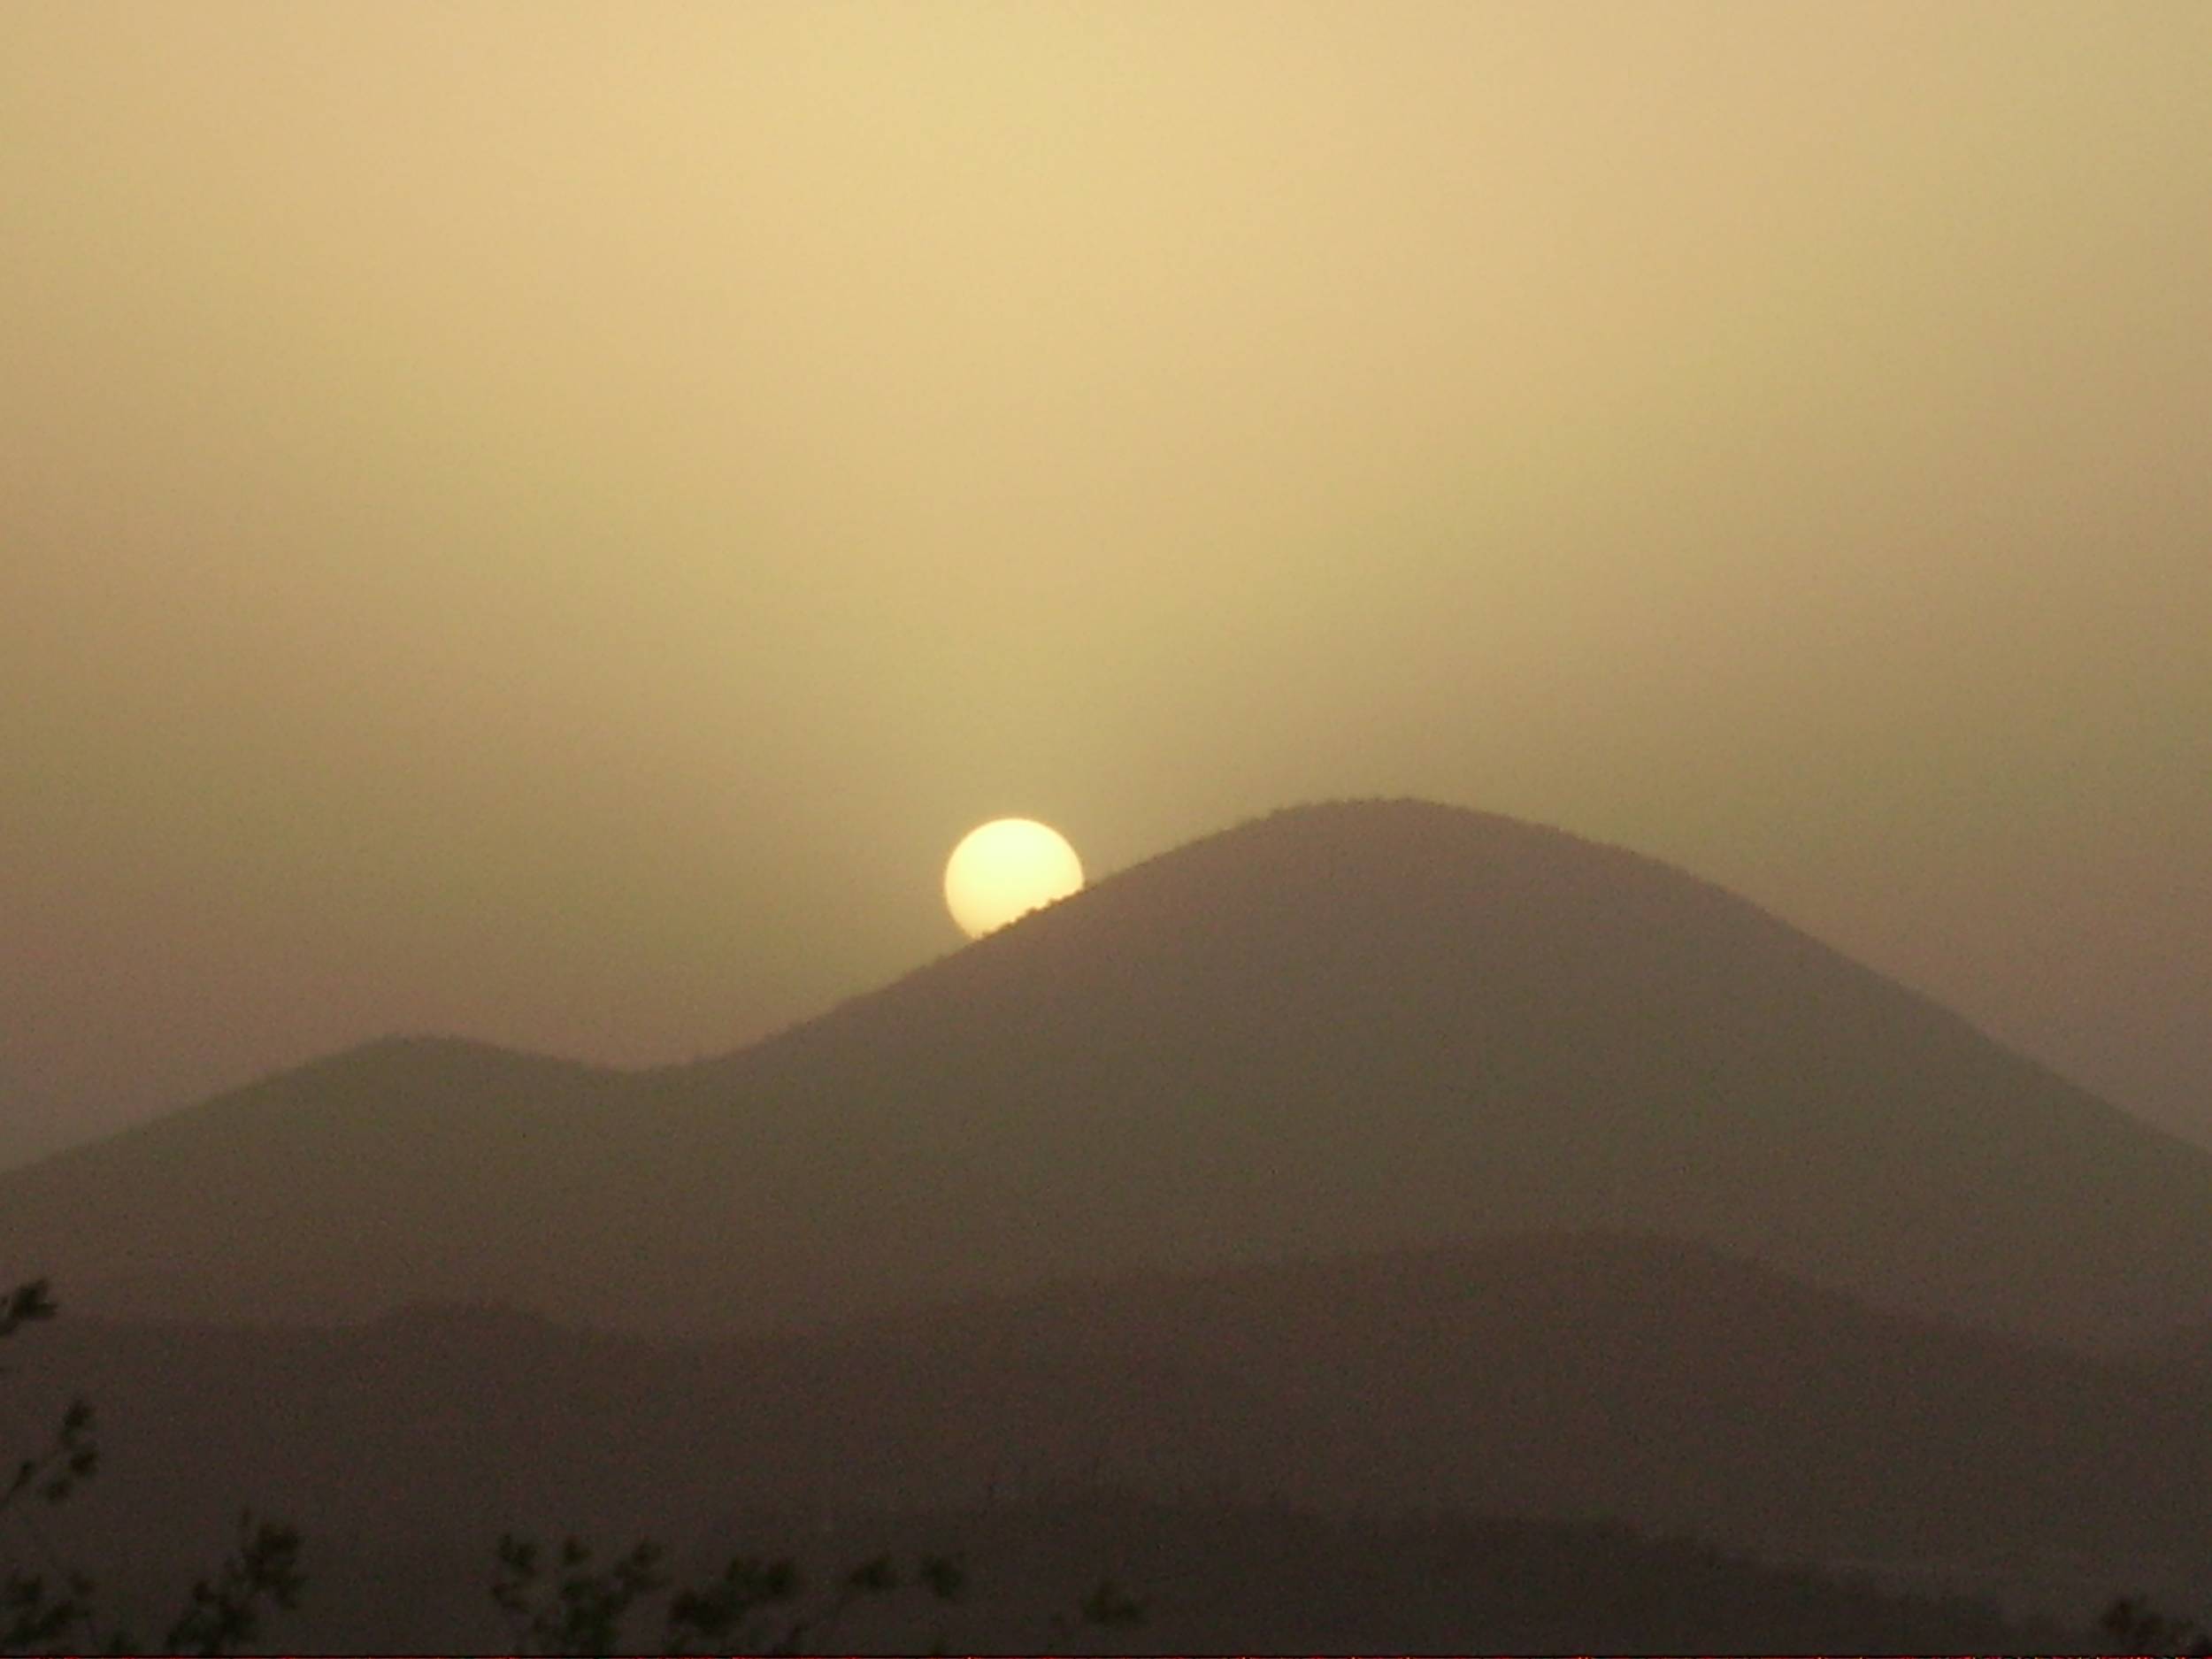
1355, 1026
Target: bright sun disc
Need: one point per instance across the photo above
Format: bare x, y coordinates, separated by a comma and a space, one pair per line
1006, 869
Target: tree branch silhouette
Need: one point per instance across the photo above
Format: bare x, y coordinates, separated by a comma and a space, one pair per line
224, 1609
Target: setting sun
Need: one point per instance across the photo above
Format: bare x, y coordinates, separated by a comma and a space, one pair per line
1005, 869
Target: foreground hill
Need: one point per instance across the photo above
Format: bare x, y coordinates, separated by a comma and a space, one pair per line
1573, 1381
1339, 1028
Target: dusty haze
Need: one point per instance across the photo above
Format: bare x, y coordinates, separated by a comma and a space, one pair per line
547, 522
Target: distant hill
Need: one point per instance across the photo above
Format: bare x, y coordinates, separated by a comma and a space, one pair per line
1344, 1027
1568, 1381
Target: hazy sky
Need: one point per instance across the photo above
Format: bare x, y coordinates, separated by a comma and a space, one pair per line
546, 522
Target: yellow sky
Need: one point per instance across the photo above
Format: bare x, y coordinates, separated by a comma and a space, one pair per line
548, 521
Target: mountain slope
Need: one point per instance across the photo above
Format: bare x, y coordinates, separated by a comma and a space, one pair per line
1342, 1027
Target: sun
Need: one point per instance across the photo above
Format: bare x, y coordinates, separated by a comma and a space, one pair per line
1005, 869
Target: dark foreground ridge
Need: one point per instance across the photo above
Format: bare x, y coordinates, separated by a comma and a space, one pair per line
1280, 1458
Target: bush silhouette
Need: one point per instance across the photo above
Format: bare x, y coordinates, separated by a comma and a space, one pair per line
2137, 1627
755, 1605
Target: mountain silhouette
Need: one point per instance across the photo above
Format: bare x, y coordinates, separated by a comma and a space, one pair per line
1572, 1380
1346, 1028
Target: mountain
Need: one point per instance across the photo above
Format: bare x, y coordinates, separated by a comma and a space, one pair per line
1572, 1382
1345, 1027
